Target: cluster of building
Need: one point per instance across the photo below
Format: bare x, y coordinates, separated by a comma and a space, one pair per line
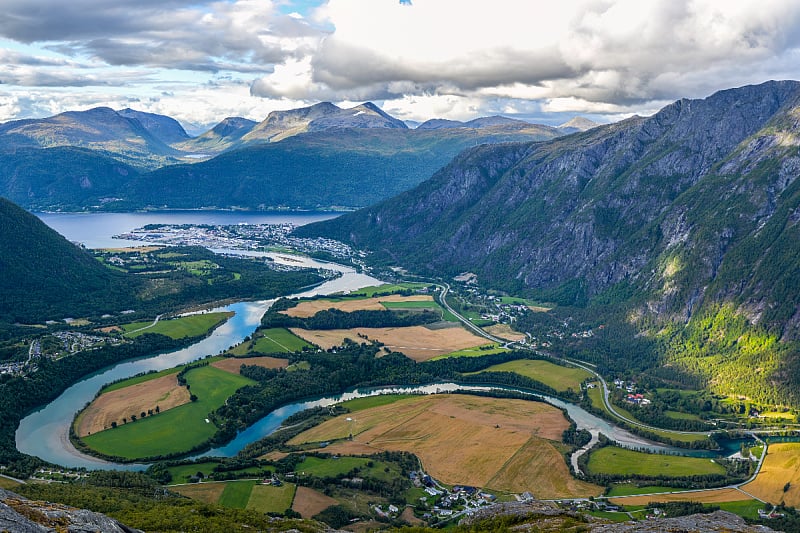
442, 502
238, 237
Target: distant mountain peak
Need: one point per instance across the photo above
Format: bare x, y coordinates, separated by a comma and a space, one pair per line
579, 124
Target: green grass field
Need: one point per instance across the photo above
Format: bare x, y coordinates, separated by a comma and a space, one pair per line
330, 467
6, 483
176, 430
613, 460
178, 328
237, 494
369, 292
269, 499
368, 402
182, 473
559, 377
628, 489
473, 352
278, 340
745, 508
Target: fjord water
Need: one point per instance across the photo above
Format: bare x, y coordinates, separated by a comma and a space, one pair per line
94, 230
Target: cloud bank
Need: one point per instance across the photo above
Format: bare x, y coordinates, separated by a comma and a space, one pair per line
448, 58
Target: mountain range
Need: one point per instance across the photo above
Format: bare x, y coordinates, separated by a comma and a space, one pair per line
314, 157
683, 225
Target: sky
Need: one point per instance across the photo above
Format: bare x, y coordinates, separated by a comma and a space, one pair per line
544, 61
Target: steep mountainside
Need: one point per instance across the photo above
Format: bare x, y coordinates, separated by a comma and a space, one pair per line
686, 216
46, 276
220, 138
84, 177
349, 167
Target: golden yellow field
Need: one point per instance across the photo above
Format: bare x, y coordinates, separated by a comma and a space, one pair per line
781, 466
309, 308
499, 444
504, 331
113, 406
417, 342
234, 364
309, 502
705, 496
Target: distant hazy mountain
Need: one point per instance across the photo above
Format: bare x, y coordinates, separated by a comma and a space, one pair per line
686, 222
578, 124
164, 128
483, 122
280, 125
100, 129
336, 157
340, 167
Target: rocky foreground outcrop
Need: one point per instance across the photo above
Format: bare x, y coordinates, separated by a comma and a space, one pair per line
20, 515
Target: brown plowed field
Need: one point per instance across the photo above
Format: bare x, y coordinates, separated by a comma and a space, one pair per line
417, 342
309, 308
495, 443
309, 502
163, 392
504, 331
234, 364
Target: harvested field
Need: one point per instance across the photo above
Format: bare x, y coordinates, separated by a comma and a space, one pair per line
500, 444
204, 492
274, 455
115, 405
309, 502
417, 342
505, 331
781, 466
703, 496
309, 308
234, 364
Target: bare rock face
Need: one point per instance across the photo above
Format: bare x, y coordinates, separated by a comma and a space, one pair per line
20, 515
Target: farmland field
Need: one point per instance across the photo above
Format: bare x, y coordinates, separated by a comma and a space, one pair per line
278, 340
417, 342
111, 407
308, 308
308, 502
178, 328
478, 351
506, 445
269, 499
703, 496
559, 377
614, 460
504, 331
204, 492
176, 430
234, 364
388, 287
781, 466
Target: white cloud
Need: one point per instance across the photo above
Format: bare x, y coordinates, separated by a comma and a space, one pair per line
433, 58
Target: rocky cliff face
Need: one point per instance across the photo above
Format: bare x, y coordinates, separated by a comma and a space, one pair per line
688, 211
20, 515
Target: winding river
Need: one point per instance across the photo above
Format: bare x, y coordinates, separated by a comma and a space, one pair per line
44, 433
